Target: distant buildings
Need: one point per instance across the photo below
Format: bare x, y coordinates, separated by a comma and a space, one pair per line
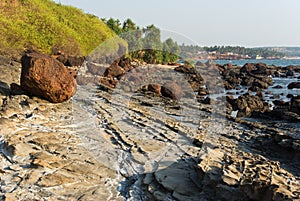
226, 56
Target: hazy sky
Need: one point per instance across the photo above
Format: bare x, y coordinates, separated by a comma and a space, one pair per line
219, 22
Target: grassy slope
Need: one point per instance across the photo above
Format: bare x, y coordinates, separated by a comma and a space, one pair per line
43, 24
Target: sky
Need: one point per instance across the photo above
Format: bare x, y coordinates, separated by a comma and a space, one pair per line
254, 23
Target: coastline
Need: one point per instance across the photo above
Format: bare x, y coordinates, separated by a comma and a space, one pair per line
132, 144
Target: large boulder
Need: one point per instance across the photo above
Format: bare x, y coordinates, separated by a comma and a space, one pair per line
47, 78
172, 90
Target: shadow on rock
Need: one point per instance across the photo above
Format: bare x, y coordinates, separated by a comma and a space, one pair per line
215, 175
4, 89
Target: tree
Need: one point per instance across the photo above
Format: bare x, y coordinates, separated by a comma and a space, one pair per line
115, 25
152, 45
171, 51
129, 25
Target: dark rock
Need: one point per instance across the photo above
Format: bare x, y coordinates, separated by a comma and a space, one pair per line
277, 74
260, 94
247, 68
261, 69
294, 85
62, 58
192, 76
202, 91
114, 71
290, 73
278, 87
16, 89
125, 62
4, 89
155, 88
275, 96
70, 60
295, 104
46, 77
279, 104
185, 70
74, 61
172, 90
247, 104
207, 101
110, 83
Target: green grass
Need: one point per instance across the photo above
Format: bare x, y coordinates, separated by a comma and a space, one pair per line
45, 25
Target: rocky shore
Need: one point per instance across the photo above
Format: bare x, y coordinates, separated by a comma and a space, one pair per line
135, 131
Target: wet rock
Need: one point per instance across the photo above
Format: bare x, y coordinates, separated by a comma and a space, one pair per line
294, 85
277, 87
247, 104
290, 73
46, 77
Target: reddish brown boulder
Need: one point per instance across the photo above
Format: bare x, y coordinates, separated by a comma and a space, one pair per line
172, 90
114, 71
47, 78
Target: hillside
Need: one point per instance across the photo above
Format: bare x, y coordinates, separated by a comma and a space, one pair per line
289, 51
44, 25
